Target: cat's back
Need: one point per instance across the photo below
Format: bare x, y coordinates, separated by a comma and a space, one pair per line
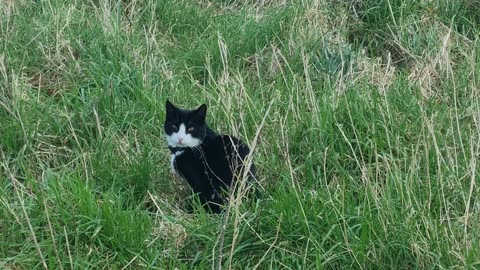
225, 147
226, 154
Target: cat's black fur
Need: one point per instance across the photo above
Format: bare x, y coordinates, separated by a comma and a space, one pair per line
212, 167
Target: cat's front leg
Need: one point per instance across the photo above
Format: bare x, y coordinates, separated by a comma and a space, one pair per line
172, 167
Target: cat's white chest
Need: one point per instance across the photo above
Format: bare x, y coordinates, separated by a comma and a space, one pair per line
172, 160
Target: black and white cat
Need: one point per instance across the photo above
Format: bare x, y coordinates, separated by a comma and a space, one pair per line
210, 163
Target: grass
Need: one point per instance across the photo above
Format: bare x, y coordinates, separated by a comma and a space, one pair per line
367, 116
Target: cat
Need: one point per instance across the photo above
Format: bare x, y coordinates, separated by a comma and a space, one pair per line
210, 163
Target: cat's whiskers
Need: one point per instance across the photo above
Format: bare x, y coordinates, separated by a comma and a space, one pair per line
198, 149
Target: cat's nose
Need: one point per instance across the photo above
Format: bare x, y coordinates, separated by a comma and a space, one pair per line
180, 141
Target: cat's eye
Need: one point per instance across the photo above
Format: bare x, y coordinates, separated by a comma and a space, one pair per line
174, 127
190, 129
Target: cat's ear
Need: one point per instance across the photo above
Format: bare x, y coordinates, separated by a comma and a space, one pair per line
169, 106
170, 110
201, 113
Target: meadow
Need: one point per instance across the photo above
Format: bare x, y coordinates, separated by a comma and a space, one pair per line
364, 117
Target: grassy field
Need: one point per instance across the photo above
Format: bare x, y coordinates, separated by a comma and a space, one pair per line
367, 153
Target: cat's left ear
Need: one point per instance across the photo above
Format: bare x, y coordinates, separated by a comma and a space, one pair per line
201, 112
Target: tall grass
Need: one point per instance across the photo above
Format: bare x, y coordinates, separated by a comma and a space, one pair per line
364, 117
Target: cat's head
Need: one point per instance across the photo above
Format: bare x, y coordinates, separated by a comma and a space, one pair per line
185, 128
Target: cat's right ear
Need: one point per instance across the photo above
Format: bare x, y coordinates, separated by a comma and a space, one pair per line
170, 110
169, 106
